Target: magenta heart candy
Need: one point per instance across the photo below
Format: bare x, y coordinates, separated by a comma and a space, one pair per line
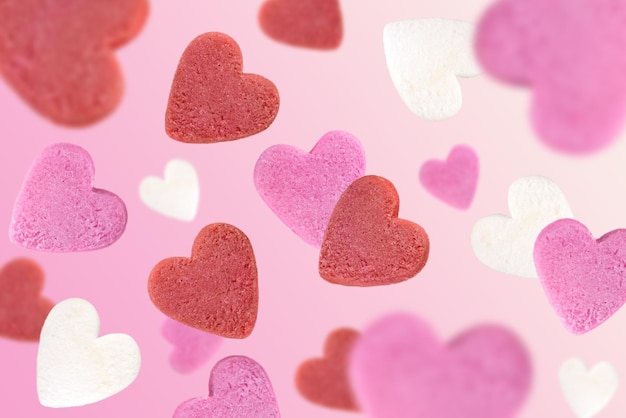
192, 347
238, 388
453, 181
302, 188
57, 209
583, 278
400, 369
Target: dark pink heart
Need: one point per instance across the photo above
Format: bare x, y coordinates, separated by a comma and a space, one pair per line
454, 180
192, 347
583, 278
400, 369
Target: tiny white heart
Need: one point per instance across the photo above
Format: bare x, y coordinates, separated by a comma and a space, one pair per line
176, 195
587, 392
424, 57
506, 243
74, 366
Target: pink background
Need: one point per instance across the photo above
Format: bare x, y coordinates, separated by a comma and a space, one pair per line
347, 89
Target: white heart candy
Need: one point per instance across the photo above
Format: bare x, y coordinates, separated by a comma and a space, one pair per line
587, 392
424, 57
74, 366
177, 195
506, 243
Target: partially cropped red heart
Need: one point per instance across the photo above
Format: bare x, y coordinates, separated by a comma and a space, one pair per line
325, 381
22, 308
216, 289
308, 23
58, 55
212, 100
365, 243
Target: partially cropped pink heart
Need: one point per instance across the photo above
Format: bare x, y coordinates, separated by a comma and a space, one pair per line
584, 279
58, 210
192, 347
303, 188
400, 369
454, 180
238, 388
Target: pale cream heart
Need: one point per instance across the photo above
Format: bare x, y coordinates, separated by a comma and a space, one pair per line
176, 195
587, 392
506, 243
74, 366
424, 58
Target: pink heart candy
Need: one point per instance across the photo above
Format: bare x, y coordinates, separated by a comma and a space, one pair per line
400, 369
192, 347
454, 180
583, 278
303, 188
238, 388
57, 209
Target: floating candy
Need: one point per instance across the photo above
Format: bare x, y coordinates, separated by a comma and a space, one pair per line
192, 347
587, 391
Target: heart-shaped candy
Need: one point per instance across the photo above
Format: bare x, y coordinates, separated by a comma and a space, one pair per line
192, 347
74, 366
216, 289
366, 244
58, 210
587, 391
212, 100
238, 388
303, 188
400, 369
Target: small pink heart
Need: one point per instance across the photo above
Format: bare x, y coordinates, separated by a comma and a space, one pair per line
303, 188
192, 347
452, 181
58, 210
583, 278
400, 369
238, 388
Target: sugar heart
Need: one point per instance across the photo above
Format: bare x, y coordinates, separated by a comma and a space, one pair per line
570, 54
211, 100
58, 56
587, 391
324, 381
302, 188
583, 278
506, 243
57, 209
176, 195
192, 347
424, 57
309, 23
74, 366
22, 308
453, 181
216, 289
365, 243
238, 388
399, 369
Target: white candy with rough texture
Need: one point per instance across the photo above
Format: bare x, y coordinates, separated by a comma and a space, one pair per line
176, 195
587, 391
74, 366
424, 57
506, 243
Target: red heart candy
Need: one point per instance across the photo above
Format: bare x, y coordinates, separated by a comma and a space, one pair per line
365, 243
211, 100
309, 23
216, 289
325, 380
22, 309
59, 55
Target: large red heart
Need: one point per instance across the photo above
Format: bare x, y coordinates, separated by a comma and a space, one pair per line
22, 308
216, 289
211, 100
365, 243
58, 55
309, 23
